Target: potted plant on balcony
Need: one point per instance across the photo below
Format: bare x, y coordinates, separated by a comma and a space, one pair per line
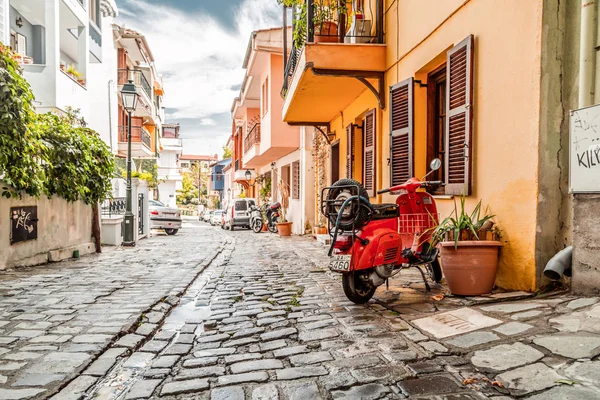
326, 18
469, 249
284, 227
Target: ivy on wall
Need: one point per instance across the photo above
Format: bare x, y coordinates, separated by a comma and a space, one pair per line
47, 153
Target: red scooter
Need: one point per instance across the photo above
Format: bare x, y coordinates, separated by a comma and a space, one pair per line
373, 242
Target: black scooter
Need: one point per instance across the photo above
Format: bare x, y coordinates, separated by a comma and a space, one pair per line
273, 213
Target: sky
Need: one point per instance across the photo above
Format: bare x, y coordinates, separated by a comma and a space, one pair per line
199, 47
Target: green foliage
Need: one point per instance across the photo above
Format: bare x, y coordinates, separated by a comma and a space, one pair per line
216, 203
265, 189
47, 154
226, 152
20, 147
148, 171
78, 164
188, 190
461, 222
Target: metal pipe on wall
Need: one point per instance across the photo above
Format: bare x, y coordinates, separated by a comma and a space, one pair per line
587, 52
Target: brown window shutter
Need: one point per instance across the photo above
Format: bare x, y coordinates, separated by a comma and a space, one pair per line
401, 132
459, 117
296, 180
369, 155
349, 151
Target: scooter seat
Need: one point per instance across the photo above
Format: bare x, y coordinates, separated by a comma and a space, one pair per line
384, 211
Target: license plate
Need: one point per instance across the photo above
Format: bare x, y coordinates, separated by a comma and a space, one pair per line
340, 262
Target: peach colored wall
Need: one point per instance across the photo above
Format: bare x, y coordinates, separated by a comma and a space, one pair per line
281, 134
506, 109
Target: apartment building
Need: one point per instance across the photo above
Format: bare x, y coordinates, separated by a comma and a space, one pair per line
169, 168
274, 153
62, 45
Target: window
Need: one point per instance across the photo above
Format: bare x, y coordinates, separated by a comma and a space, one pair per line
265, 96
450, 114
241, 205
436, 123
369, 153
350, 135
296, 180
335, 162
401, 132
94, 12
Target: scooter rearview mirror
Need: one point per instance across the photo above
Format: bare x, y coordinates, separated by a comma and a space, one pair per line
435, 164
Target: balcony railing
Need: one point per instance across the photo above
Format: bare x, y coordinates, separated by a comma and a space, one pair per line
138, 134
332, 21
139, 79
252, 138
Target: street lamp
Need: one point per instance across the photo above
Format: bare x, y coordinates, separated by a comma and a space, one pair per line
229, 194
248, 175
129, 95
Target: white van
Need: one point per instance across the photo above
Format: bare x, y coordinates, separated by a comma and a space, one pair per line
238, 213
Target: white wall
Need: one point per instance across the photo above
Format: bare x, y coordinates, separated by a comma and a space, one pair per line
61, 225
102, 89
167, 192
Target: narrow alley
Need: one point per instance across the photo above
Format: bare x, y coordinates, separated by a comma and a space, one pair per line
236, 315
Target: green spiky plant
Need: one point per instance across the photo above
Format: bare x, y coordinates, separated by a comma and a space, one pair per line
461, 224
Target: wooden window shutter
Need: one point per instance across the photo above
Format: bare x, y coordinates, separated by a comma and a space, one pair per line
459, 117
401, 132
296, 180
369, 155
350, 151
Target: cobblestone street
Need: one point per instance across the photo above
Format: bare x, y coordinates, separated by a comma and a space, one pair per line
263, 319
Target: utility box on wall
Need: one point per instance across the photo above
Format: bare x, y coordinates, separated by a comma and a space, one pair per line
584, 184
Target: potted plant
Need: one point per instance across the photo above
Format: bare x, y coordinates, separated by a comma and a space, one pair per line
469, 249
284, 227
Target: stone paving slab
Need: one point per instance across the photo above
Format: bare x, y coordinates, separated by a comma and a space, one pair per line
61, 317
267, 320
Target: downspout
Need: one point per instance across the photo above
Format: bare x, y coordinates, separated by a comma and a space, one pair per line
110, 130
587, 53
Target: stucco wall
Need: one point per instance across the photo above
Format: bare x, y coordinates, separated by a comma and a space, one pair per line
61, 225
507, 75
560, 52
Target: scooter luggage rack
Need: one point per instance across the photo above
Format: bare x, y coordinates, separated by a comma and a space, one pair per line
409, 224
329, 207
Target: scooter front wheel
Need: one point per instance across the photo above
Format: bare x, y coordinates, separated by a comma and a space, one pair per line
257, 225
356, 290
435, 270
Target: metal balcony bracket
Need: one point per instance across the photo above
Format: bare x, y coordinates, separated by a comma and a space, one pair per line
362, 76
322, 127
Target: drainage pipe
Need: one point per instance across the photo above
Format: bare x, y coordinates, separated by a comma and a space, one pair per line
587, 53
559, 264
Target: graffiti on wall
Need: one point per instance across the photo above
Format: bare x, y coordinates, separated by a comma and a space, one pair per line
23, 224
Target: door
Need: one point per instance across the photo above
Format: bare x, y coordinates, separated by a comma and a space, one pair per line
335, 162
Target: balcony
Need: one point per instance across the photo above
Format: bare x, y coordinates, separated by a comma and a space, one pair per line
337, 54
146, 102
253, 138
141, 142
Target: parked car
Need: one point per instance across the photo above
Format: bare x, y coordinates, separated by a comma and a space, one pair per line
238, 213
207, 215
163, 217
216, 218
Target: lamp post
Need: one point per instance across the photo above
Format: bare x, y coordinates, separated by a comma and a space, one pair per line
129, 95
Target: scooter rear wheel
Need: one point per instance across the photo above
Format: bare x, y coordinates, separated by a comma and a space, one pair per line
355, 289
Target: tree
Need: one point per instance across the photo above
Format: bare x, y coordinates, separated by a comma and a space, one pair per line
226, 152
188, 191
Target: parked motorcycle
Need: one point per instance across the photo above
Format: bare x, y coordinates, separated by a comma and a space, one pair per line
273, 213
256, 219
373, 242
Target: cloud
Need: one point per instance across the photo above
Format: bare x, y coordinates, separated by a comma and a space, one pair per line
200, 58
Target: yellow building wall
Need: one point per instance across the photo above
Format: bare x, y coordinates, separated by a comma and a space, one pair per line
507, 73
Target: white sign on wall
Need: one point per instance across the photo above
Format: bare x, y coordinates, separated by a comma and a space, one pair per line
584, 168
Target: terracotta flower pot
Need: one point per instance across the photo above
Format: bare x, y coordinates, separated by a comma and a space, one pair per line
319, 230
264, 228
284, 228
471, 269
326, 32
